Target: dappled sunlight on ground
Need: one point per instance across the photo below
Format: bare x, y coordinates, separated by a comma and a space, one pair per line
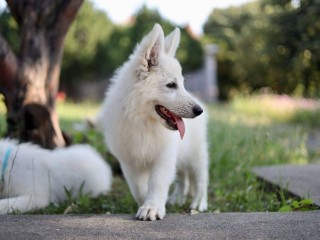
281, 108
77, 111
223, 113
73, 114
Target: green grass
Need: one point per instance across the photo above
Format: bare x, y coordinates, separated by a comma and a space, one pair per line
241, 137
240, 142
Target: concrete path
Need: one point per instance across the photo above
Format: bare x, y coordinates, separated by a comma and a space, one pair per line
300, 180
296, 225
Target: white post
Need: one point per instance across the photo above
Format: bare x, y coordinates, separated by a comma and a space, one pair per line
211, 90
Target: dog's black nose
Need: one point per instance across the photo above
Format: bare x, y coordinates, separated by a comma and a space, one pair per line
197, 110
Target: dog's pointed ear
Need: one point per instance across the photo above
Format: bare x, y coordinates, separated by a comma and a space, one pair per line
152, 46
156, 45
172, 42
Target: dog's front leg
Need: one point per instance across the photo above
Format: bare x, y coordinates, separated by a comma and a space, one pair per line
161, 176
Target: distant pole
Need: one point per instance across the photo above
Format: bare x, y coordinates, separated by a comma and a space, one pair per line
211, 90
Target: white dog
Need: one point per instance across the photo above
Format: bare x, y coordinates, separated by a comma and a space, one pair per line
144, 105
32, 177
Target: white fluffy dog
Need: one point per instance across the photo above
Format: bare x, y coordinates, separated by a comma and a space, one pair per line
32, 177
143, 107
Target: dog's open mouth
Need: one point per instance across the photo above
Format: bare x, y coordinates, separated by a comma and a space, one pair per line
173, 121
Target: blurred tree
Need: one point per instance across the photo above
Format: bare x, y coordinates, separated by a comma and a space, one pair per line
30, 79
82, 55
102, 42
268, 43
294, 44
125, 38
231, 28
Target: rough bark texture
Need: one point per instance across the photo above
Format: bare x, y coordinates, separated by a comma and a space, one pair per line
30, 82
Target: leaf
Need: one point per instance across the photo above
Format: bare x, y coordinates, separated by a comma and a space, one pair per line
285, 209
306, 202
295, 204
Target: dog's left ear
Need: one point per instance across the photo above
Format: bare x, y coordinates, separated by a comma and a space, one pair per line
171, 42
153, 45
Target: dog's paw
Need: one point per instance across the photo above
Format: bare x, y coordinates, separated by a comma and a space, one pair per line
201, 207
200, 204
150, 213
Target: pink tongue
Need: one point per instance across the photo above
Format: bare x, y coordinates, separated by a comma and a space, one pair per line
180, 125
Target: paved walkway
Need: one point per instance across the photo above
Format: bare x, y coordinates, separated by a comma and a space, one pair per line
300, 180
296, 225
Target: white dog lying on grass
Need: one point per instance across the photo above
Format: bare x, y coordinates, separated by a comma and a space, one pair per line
143, 119
32, 177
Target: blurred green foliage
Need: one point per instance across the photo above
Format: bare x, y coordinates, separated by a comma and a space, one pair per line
95, 46
268, 43
90, 29
264, 43
124, 39
9, 30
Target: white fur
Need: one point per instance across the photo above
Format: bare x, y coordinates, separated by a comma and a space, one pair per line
35, 177
148, 152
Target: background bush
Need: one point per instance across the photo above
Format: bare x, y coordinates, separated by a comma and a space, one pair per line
268, 43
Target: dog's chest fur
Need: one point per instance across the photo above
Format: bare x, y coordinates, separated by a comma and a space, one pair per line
139, 141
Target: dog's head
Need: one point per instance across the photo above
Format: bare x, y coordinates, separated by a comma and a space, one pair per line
160, 81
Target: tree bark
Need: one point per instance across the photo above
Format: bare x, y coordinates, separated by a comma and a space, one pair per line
30, 82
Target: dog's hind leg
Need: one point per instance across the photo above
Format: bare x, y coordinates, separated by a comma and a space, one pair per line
200, 198
21, 204
181, 188
199, 181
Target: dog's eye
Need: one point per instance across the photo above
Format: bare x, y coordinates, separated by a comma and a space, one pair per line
172, 85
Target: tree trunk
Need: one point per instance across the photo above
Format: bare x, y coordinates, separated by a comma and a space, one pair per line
30, 82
